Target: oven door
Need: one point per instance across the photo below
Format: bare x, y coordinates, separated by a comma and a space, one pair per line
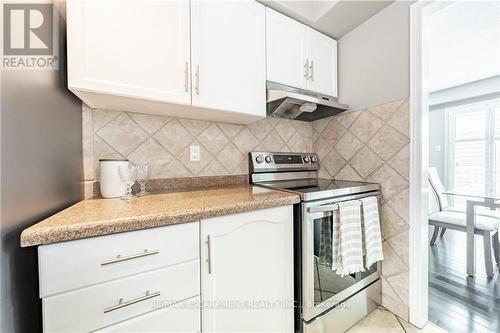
323, 288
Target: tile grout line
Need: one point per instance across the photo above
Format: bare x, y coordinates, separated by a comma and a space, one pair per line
399, 321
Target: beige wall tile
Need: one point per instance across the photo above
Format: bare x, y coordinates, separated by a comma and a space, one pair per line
348, 173
390, 181
391, 300
231, 158
348, 118
401, 119
366, 126
400, 244
385, 127
401, 162
195, 127
333, 162
348, 145
231, 130
174, 137
366, 162
123, 134
88, 144
401, 204
148, 122
387, 110
102, 117
245, 141
213, 139
392, 224
333, 132
154, 154
387, 142
393, 265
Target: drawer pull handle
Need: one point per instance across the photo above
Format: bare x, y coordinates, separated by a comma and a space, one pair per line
119, 258
209, 255
122, 304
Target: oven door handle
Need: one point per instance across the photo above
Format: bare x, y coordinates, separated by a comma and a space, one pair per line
322, 209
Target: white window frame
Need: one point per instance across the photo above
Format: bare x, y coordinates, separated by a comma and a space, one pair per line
489, 139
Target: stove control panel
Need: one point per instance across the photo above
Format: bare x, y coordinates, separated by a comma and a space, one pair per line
269, 161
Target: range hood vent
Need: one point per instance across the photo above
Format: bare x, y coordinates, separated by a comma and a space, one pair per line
292, 103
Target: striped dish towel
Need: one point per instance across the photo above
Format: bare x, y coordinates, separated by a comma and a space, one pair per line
371, 233
351, 245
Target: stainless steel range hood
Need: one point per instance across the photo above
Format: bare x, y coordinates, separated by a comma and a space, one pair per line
292, 103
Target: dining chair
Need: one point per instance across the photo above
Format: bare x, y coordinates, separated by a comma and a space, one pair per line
487, 225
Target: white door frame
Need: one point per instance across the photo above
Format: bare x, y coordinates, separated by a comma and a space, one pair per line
419, 152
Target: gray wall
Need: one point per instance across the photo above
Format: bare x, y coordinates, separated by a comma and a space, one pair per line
374, 59
467, 93
436, 138
41, 170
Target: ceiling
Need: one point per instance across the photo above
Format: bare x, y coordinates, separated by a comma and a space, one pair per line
464, 43
334, 18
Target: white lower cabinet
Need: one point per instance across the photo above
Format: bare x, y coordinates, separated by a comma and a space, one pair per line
150, 280
247, 272
181, 317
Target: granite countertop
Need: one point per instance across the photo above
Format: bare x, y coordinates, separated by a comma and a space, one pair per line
89, 218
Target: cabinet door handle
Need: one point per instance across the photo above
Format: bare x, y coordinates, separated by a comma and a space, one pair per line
119, 258
209, 254
197, 76
186, 77
306, 69
311, 71
122, 304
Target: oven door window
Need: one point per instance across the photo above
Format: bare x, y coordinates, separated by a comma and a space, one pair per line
327, 283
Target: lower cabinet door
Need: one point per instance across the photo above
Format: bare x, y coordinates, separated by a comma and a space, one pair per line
180, 317
247, 272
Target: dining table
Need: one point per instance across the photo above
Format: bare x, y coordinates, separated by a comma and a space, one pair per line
474, 200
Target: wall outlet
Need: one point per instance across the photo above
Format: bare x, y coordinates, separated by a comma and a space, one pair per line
437, 148
194, 153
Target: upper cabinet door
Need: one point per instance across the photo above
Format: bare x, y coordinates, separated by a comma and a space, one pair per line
322, 63
286, 50
130, 48
228, 56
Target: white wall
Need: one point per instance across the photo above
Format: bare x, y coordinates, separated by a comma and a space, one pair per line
374, 59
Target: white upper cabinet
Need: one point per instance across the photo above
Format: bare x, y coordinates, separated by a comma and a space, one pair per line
137, 49
286, 50
300, 56
228, 40
136, 56
322, 63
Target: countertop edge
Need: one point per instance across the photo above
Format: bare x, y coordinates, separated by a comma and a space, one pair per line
101, 228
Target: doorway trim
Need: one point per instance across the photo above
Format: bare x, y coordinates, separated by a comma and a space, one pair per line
420, 13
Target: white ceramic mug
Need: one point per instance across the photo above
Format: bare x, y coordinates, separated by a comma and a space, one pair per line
109, 178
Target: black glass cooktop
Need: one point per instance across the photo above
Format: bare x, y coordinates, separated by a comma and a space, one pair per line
319, 188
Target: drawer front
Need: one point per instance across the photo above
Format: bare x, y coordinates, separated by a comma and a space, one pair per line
75, 264
108, 303
181, 317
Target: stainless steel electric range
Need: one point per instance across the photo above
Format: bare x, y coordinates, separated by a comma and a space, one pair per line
324, 301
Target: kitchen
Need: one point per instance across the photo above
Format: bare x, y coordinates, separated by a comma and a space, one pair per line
254, 128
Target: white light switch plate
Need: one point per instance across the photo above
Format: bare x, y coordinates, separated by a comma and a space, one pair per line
194, 153
437, 148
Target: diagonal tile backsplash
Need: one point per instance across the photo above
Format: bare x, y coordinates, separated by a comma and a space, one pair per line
164, 142
373, 145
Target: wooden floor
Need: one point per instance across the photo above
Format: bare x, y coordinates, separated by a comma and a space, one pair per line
458, 303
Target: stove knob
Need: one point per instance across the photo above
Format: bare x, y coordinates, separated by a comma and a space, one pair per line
314, 158
259, 159
269, 159
306, 159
